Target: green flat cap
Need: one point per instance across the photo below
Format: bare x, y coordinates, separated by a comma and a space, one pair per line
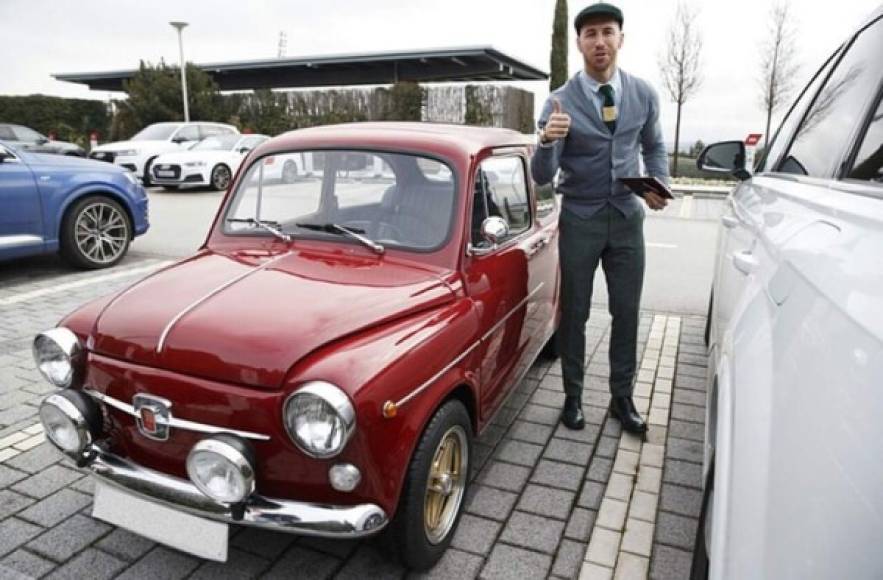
596, 10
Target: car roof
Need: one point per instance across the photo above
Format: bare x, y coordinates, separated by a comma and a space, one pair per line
400, 135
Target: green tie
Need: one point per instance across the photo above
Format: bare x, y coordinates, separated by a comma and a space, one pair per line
608, 109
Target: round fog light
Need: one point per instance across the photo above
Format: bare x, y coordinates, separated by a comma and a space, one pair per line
220, 467
344, 477
65, 424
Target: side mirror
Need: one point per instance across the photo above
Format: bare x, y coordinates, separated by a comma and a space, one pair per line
724, 157
4, 156
244, 150
179, 140
494, 229
42, 141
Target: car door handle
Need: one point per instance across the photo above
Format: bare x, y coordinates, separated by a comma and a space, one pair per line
745, 262
729, 221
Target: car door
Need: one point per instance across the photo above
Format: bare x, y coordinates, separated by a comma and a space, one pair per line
503, 279
21, 225
807, 345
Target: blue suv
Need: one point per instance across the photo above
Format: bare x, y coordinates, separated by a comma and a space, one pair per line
88, 210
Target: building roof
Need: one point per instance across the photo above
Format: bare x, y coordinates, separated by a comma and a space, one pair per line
480, 63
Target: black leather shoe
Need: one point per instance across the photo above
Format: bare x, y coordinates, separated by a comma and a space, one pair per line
572, 414
624, 409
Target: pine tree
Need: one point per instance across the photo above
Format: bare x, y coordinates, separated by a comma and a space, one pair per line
558, 58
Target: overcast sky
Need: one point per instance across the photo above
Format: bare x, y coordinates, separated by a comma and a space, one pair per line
41, 37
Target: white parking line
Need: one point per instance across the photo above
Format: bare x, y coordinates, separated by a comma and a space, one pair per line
124, 273
658, 245
687, 206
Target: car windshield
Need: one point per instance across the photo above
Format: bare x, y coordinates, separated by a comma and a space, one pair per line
156, 132
217, 143
389, 199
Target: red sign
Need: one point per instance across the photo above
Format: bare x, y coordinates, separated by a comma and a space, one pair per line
753, 138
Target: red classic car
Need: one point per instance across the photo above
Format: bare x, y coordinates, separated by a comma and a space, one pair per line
323, 363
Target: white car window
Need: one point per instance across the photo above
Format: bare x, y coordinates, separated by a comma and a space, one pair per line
187, 133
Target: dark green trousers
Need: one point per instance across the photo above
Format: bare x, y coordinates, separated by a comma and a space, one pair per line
617, 242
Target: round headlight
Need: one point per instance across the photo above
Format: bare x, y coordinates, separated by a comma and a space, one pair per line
320, 419
221, 469
65, 424
56, 352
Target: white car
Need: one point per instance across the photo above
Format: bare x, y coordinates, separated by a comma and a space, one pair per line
138, 153
213, 162
794, 426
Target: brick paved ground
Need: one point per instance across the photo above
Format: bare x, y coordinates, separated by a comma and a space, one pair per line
545, 501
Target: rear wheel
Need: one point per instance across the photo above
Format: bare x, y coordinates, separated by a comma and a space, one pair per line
95, 233
220, 178
700, 567
436, 483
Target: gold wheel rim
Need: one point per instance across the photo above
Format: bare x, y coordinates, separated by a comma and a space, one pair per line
445, 484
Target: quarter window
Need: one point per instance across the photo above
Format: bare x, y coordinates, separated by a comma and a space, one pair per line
826, 129
6, 134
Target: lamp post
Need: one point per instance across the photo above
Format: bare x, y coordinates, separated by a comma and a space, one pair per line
180, 26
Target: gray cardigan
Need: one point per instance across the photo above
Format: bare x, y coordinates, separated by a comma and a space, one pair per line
591, 159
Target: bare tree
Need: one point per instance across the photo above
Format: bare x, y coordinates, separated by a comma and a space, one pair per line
778, 63
680, 64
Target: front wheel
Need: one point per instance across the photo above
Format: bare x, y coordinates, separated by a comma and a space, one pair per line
220, 178
95, 233
700, 566
434, 488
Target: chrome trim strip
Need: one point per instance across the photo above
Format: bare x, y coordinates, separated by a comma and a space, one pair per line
284, 515
221, 288
465, 353
22, 240
174, 422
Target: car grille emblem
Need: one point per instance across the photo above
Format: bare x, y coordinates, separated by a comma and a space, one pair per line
152, 414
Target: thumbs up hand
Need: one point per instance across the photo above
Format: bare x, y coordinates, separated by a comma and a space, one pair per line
558, 124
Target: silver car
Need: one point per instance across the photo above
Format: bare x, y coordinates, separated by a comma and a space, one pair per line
794, 477
21, 137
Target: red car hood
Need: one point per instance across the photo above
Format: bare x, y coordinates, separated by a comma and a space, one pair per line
247, 318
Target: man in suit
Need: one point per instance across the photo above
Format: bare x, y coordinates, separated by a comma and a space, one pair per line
593, 130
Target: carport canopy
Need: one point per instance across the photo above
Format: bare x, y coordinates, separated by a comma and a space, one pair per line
470, 64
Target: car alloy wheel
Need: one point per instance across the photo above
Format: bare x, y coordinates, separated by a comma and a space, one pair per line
96, 233
445, 484
220, 177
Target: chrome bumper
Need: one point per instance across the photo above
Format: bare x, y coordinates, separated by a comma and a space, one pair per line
278, 514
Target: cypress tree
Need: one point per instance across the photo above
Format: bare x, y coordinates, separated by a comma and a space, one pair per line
558, 59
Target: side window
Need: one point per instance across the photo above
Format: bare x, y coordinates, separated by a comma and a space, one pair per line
209, 130
500, 190
27, 135
827, 127
6, 134
187, 133
868, 164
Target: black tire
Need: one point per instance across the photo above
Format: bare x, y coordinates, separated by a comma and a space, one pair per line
700, 567
220, 177
289, 172
708, 318
550, 349
95, 233
410, 532
146, 181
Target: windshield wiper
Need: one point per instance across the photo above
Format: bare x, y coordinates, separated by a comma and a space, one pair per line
351, 232
271, 226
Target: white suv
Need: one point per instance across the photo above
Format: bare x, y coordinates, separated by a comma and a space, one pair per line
794, 430
138, 153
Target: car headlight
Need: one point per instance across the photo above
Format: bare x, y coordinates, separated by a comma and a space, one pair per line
57, 353
71, 420
127, 153
222, 467
195, 164
320, 419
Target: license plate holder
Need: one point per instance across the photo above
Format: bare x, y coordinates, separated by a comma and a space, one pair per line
183, 531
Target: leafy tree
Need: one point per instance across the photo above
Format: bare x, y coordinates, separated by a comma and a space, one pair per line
558, 57
697, 148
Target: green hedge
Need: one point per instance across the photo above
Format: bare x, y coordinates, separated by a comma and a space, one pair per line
70, 119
